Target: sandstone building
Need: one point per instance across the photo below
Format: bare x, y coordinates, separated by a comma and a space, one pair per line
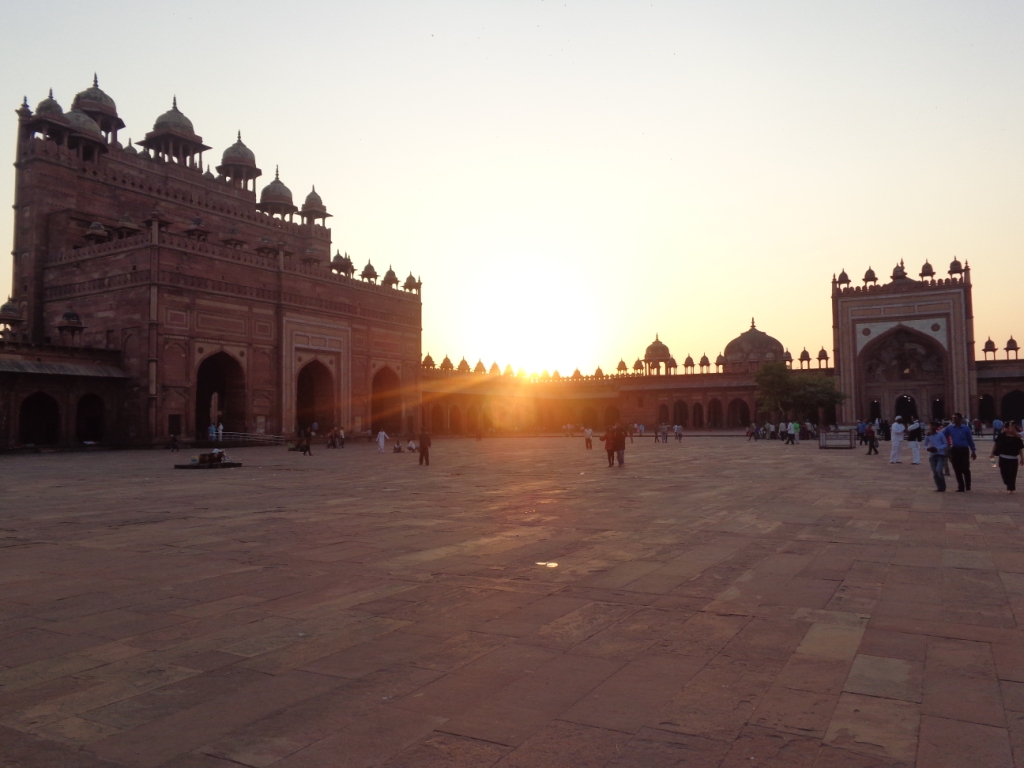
153, 297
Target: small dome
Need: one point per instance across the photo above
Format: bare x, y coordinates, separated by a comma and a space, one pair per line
955, 267
657, 352
1011, 345
463, 366
82, 122
97, 228
787, 357
556, 376
598, 373
805, 355
576, 374
752, 345
843, 279
238, 154
509, 371
173, 120
822, 354
545, 375
314, 199
990, 346
49, 106
870, 277
276, 191
410, 283
622, 366
209, 175
638, 366
671, 363
446, 364
927, 270
704, 360
9, 309
720, 360
70, 318
688, 362
899, 272
342, 264
94, 99
368, 273
390, 278
428, 361
479, 368
130, 149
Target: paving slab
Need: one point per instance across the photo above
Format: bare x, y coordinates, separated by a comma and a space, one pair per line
714, 603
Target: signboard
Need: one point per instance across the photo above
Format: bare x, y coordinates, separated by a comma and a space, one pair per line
840, 438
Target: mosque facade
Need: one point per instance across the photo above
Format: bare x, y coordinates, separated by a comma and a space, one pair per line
152, 296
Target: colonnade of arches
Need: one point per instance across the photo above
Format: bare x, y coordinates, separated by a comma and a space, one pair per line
41, 422
693, 416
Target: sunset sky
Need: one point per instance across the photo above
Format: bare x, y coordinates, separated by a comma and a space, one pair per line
569, 179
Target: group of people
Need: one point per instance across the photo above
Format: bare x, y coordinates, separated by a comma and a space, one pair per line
215, 432
420, 446
789, 432
950, 445
614, 440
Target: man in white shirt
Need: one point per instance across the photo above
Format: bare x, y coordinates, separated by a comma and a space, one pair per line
588, 438
914, 436
897, 429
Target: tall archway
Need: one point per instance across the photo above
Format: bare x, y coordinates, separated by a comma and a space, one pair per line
39, 420
314, 398
589, 416
89, 419
698, 415
987, 409
739, 413
220, 394
903, 362
472, 420
1013, 406
715, 413
437, 419
455, 420
611, 416
679, 413
386, 402
906, 408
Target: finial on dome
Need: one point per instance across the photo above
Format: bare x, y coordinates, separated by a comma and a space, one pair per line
752, 322
276, 176
314, 187
174, 102
239, 135
655, 336
24, 101
51, 93
95, 81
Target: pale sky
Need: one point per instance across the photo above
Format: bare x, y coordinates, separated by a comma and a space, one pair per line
569, 179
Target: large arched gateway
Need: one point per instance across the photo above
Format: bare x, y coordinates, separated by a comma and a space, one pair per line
314, 398
386, 406
220, 394
901, 370
39, 420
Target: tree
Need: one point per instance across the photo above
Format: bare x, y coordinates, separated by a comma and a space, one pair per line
780, 389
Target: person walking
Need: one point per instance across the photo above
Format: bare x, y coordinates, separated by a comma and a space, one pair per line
1008, 447
305, 445
341, 437
608, 438
783, 432
794, 433
620, 445
211, 433
588, 437
861, 430
914, 435
220, 432
664, 433
871, 439
936, 444
382, 440
962, 445
174, 443
898, 431
424, 448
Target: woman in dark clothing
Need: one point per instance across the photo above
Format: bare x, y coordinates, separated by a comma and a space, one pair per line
1008, 447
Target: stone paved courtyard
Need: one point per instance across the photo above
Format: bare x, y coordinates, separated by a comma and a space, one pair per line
715, 603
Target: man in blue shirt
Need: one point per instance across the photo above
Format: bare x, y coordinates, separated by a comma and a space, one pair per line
962, 442
936, 443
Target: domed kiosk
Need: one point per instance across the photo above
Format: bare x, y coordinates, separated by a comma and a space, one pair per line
750, 350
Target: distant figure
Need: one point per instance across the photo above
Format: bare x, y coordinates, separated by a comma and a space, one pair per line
897, 431
914, 435
608, 438
794, 433
398, 447
211, 433
783, 432
411, 448
588, 438
304, 445
341, 438
174, 443
1008, 447
664, 433
425, 448
314, 429
382, 440
657, 432
871, 439
620, 445
861, 429
936, 445
962, 446
220, 432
